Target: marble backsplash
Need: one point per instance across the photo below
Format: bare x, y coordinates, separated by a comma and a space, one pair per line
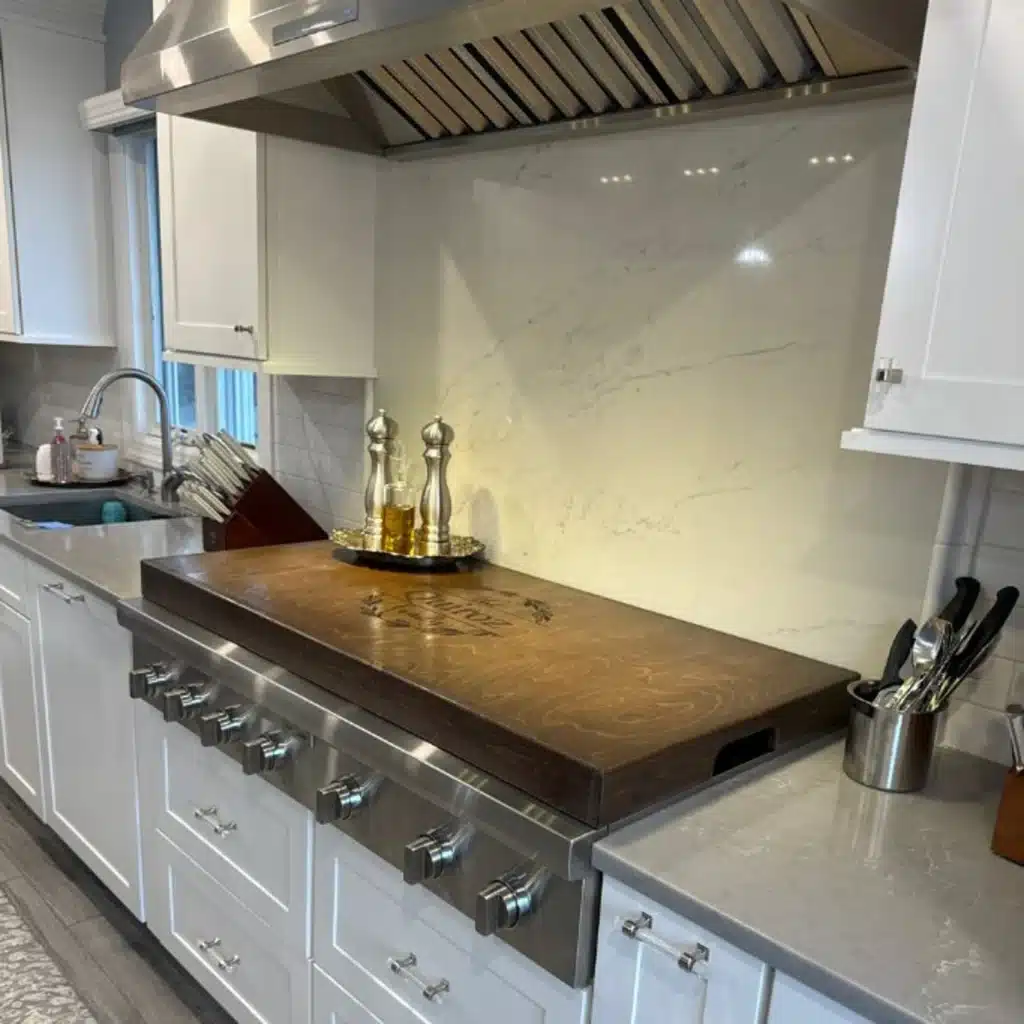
648, 346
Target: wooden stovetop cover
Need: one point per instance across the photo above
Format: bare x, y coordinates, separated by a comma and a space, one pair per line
596, 708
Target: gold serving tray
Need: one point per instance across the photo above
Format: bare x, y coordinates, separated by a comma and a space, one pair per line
349, 546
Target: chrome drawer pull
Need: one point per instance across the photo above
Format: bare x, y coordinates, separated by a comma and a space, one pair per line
209, 815
403, 966
57, 589
228, 965
641, 930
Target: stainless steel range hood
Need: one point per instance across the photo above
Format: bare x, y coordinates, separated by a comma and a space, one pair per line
411, 77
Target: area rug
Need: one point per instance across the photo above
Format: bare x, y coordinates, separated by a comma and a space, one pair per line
32, 988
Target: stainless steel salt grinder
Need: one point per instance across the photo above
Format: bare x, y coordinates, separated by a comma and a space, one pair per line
433, 536
382, 431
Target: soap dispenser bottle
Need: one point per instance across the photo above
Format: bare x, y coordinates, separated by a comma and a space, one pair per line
60, 453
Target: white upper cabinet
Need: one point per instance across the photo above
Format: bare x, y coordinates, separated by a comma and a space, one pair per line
267, 248
954, 306
210, 238
55, 239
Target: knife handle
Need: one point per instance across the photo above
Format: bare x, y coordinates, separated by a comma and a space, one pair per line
962, 604
988, 628
898, 653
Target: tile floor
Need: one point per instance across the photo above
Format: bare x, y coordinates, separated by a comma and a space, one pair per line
113, 962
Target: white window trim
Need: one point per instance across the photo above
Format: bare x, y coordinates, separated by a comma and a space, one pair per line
134, 321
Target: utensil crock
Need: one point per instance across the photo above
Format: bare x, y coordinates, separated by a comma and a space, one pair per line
888, 749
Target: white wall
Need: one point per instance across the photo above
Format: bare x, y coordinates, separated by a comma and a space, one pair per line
637, 413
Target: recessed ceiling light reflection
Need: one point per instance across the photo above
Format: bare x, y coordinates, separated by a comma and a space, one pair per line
753, 256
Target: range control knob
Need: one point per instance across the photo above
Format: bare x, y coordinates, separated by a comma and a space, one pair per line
507, 901
183, 702
267, 753
433, 854
224, 726
148, 681
342, 798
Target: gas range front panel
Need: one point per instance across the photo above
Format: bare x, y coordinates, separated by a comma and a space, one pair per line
517, 869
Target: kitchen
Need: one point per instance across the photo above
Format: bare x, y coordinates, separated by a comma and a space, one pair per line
731, 316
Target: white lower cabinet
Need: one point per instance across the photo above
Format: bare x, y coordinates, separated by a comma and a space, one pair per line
21, 763
252, 838
333, 1005
405, 957
639, 981
236, 956
89, 725
795, 1003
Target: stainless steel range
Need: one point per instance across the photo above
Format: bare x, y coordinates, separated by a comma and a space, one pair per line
519, 869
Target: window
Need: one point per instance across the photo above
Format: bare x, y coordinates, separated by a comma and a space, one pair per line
201, 398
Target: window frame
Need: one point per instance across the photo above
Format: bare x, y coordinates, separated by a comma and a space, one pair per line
136, 239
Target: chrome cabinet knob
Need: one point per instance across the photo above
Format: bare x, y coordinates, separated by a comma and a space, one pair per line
183, 703
148, 681
506, 902
343, 798
266, 753
220, 727
433, 854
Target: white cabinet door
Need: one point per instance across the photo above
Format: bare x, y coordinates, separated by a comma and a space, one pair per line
211, 238
60, 192
10, 294
954, 306
793, 1003
638, 979
90, 734
20, 760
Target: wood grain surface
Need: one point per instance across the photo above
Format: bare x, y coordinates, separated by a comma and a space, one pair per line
597, 708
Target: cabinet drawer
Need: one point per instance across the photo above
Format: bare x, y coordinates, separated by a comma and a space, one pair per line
13, 585
248, 835
635, 979
92, 611
794, 1003
238, 958
333, 1005
405, 955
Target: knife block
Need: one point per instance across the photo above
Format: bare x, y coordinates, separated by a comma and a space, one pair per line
1008, 840
265, 514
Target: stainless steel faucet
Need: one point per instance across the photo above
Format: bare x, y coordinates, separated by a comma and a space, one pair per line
171, 477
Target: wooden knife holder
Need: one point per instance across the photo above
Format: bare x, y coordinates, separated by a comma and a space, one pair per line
1008, 840
265, 514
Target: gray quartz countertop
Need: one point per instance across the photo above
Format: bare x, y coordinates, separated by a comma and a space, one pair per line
891, 904
103, 559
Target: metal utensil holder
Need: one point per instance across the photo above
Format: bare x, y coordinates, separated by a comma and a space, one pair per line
888, 749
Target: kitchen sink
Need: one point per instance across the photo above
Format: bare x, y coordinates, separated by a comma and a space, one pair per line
84, 511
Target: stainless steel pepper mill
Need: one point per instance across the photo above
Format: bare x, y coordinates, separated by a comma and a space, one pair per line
433, 537
382, 431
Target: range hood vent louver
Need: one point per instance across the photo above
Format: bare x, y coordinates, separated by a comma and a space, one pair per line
404, 78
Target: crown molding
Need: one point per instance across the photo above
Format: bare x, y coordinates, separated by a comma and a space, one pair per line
75, 17
108, 111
